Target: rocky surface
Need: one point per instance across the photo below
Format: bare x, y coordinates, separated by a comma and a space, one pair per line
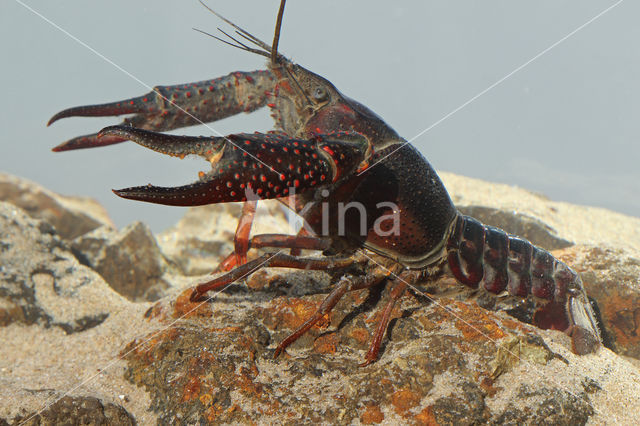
129, 260
81, 339
70, 216
79, 410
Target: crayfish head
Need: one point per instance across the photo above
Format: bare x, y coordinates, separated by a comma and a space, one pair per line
308, 104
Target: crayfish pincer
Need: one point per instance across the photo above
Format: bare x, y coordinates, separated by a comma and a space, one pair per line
366, 195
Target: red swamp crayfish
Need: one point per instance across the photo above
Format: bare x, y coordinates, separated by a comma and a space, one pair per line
329, 152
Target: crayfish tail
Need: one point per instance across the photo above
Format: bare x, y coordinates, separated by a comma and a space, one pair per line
484, 256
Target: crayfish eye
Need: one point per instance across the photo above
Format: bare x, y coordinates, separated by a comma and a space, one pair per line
320, 94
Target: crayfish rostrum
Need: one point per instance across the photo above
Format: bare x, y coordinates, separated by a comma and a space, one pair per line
367, 196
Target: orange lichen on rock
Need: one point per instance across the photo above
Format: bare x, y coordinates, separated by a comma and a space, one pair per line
206, 399
403, 400
475, 323
372, 414
213, 412
426, 418
185, 308
244, 382
191, 389
515, 325
144, 348
622, 315
361, 335
326, 344
292, 312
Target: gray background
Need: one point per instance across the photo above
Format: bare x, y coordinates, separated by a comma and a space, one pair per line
566, 125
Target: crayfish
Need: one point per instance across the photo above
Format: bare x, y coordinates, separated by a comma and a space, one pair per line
367, 197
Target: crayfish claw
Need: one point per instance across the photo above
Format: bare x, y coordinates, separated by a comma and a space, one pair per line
129, 106
88, 141
176, 146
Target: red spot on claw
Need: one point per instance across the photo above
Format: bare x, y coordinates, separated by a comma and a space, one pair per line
329, 150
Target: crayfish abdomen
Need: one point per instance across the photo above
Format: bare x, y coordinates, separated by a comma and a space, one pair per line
484, 256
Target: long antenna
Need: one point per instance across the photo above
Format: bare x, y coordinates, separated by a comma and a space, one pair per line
276, 36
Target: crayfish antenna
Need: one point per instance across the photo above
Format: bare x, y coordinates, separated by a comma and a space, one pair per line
276, 35
240, 45
243, 33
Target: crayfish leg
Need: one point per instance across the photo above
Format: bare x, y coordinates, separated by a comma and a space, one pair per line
241, 238
399, 287
293, 242
276, 260
345, 285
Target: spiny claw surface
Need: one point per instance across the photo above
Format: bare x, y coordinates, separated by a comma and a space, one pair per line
171, 107
175, 146
248, 166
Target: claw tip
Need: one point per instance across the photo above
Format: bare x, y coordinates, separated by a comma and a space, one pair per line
52, 120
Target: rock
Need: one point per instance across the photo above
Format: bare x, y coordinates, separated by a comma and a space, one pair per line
70, 216
448, 362
612, 279
444, 360
61, 328
42, 283
129, 260
79, 410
